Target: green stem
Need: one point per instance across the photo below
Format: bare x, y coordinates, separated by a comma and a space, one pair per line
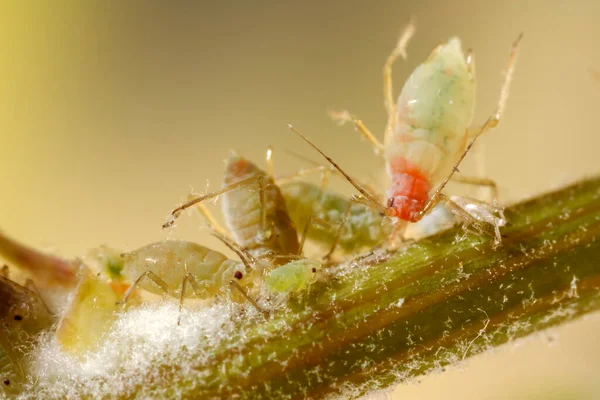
381, 320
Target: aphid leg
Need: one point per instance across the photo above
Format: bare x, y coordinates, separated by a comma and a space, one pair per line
304, 232
176, 212
341, 117
368, 198
265, 231
433, 200
239, 288
388, 92
195, 287
4, 271
396, 237
342, 224
210, 218
482, 182
481, 226
146, 275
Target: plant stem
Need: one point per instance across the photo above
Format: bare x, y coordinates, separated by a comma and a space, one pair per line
383, 319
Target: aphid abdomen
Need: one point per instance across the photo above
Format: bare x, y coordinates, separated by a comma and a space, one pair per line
242, 210
364, 227
171, 260
434, 111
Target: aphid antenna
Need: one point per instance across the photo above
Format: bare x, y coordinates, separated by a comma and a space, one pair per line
370, 199
176, 212
320, 168
242, 253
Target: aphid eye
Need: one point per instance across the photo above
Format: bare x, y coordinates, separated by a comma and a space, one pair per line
18, 317
314, 270
238, 275
6, 382
390, 202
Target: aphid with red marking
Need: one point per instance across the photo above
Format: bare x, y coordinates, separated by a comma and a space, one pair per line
427, 135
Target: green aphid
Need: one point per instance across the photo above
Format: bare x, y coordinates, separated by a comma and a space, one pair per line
364, 227
293, 277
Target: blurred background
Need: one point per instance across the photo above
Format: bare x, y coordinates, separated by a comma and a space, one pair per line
110, 111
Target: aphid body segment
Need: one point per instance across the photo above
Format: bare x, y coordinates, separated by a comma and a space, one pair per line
23, 315
256, 213
434, 112
364, 227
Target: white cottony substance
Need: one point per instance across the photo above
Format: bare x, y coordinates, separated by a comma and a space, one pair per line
141, 339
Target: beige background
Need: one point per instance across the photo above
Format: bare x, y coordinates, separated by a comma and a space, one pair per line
108, 112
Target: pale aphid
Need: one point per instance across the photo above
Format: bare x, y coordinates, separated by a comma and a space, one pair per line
428, 131
170, 265
256, 214
254, 210
89, 315
23, 316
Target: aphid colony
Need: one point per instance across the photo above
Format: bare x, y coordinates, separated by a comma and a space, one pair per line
427, 135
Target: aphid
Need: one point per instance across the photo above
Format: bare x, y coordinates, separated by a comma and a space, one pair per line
89, 315
254, 210
427, 133
363, 228
168, 267
293, 277
23, 315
